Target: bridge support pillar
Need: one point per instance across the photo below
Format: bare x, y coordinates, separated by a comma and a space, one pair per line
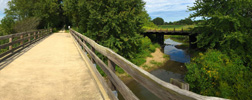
160, 38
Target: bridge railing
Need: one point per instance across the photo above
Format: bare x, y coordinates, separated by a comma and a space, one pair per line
160, 88
14, 42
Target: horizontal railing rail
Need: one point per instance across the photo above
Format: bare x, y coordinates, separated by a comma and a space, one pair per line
160, 88
18, 40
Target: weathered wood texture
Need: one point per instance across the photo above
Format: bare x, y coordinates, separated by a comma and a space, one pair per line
121, 87
180, 84
22, 40
99, 77
158, 87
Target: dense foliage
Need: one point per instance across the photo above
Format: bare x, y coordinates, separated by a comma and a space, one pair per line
216, 74
23, 15
158, 21
227, 28
116, 24
227, 25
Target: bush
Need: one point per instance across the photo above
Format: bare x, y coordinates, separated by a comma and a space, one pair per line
146, 48
216, 74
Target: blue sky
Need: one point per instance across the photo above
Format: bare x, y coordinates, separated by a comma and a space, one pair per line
169, 10
3, 5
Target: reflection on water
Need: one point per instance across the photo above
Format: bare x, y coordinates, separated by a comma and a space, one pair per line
173, 68
176, 54
171, 42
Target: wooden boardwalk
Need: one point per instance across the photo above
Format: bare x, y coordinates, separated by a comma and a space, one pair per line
60, 66
52, 70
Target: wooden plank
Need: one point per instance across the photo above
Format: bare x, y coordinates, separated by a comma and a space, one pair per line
14, 35
180, 84
5, 37
10, 51
7, 44
100, 78
122, 88
158, 87
11, 42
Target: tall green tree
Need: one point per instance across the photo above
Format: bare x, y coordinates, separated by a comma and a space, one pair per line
226, 25
116, 24
7, 25
158, 21
226, 33
71, 9
49, 11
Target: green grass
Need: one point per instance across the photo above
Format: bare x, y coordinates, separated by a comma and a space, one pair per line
171, 27
155, 63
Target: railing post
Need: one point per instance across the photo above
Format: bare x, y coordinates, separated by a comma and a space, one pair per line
111, 66
83, 41
22, 41
93, 50
34, 36
29, 39
10, 40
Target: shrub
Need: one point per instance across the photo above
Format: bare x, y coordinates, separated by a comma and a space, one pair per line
216, 74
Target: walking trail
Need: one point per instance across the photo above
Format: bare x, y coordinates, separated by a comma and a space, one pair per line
52, 70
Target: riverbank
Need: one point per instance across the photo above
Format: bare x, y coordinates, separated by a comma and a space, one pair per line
157, 59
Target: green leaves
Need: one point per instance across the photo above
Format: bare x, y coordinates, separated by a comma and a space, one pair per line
226, 26
49, 11
115, 24
216, 74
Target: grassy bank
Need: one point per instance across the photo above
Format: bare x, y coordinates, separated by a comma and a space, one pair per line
156, 60
171, 27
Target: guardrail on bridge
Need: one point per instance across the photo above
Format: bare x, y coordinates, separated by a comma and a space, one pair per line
18, 40
160, 88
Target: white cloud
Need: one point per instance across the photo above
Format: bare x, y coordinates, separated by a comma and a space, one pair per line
169, 10
3, 5
167, 5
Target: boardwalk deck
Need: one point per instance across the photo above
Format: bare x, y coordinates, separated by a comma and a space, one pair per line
52, 70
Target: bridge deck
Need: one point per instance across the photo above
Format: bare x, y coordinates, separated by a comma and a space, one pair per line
52, 70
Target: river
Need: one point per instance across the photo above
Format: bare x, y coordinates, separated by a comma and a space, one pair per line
173, 68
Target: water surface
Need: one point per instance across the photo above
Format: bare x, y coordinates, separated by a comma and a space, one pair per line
173, 68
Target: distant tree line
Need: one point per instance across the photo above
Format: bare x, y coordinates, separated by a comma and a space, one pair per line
186, 21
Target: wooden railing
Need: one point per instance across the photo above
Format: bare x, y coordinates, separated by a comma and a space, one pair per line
14, 42
161, 89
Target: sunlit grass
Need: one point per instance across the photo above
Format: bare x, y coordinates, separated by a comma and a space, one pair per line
171, 28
